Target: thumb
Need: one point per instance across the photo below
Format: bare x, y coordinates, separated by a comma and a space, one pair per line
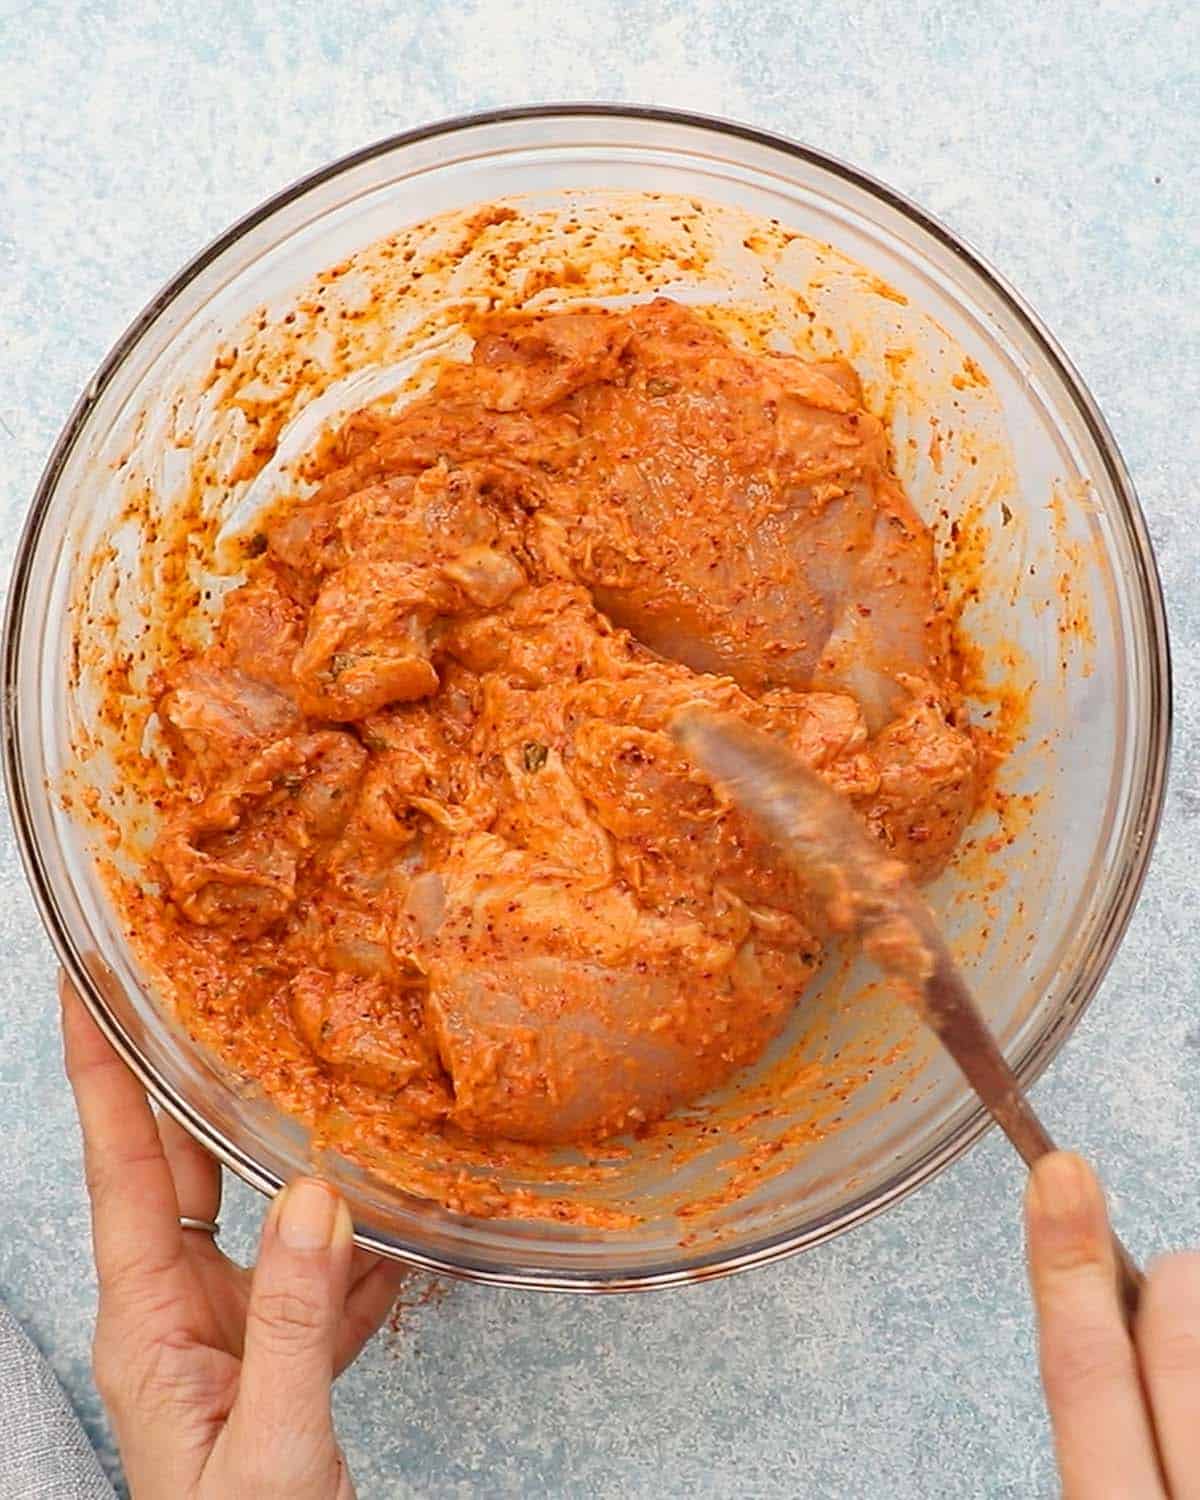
297, 1297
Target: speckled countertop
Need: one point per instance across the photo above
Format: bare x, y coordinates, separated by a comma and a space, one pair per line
1060, 138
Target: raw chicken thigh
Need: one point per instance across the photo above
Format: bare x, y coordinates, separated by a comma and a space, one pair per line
431, 825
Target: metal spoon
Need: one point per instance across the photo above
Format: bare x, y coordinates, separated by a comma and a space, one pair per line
864, 891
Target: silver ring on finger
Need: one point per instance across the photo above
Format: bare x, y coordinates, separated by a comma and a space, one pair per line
205, 1226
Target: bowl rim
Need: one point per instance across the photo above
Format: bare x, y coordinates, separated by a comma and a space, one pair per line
1143, 821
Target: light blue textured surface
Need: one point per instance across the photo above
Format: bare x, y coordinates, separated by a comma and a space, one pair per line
1061, 139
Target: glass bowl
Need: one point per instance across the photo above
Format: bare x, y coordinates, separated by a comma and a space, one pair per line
1001, 447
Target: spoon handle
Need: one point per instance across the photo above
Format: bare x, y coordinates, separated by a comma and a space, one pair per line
951, 1013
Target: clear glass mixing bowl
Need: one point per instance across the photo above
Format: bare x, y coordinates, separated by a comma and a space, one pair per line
1073, 606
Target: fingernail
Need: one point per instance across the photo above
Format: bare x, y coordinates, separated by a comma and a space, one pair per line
308, 1215
1062, 1185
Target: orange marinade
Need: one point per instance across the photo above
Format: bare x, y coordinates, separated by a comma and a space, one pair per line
431, 853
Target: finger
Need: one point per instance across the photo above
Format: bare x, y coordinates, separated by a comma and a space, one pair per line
1168, 1341
197, 1174
1101, 1425
135, 1216
362, 1263
368, 1303
296, 1303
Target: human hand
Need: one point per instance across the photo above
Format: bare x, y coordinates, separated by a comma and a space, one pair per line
1125, 1408
217, 1378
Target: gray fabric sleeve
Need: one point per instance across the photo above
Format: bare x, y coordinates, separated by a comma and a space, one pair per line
44, 1452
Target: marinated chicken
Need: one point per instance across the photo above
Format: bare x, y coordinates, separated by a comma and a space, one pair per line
432, 847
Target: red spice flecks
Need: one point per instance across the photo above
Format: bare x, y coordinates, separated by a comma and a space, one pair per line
418, 1289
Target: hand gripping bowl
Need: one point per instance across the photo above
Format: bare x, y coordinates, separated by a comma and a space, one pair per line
1001, 448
